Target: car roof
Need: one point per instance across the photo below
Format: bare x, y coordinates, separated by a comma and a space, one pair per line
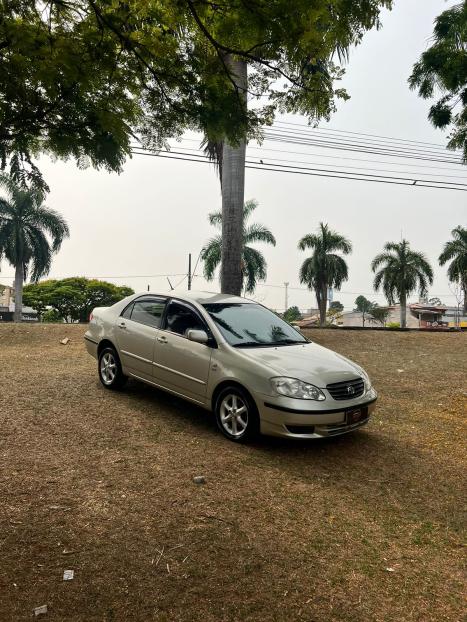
201, 297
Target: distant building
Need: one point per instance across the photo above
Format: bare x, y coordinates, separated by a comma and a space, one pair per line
438, 316
7, 306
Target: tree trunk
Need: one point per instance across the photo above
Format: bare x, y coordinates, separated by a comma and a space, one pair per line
403, 310
233, 196
19, 276
322, 304
464, 287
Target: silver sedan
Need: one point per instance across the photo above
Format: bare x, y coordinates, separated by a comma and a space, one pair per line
234, 357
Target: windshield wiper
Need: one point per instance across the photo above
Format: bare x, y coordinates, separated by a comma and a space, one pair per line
251, 344
288, 342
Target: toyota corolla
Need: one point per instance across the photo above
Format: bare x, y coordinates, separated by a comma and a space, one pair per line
234, 357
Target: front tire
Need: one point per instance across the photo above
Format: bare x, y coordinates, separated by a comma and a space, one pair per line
236, 415
110, 370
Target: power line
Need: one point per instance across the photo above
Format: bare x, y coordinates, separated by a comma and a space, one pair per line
316, 135
425, 183
324, 155
412, 175
343, 147
329, 129
291, 166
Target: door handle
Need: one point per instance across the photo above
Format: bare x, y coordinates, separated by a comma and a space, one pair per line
162, 339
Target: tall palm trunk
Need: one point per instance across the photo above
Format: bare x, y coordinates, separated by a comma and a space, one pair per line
19, 277
403, 310
233, 192
321, 298
464, 287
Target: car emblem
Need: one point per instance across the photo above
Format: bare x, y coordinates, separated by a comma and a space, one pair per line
350, 390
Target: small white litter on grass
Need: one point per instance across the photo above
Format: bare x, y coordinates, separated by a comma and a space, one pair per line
389, 570
199, 479
40, 611
64, 341
68, 575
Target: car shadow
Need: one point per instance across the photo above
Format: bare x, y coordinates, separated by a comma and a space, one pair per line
367, 463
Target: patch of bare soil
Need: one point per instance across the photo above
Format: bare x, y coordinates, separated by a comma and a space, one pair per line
366, 527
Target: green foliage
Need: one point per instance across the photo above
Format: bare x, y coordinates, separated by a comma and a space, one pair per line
442, 69
253, 261
455, 252
364, 306
51, 316
325, 268
25, 224
334, 315
73, 299
400, 271
393, 325
338, 306
82, 78
292, 314
37, 296
379, 315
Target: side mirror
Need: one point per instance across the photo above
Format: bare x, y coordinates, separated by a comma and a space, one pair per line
199, 336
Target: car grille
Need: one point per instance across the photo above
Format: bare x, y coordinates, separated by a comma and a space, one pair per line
346, 390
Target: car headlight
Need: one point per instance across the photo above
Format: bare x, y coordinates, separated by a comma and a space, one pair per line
366, 380
291, 387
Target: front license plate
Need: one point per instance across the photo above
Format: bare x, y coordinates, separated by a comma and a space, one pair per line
355, 415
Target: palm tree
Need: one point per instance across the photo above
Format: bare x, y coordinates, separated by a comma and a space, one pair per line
253, 262
455, 251
325, 268
25, 224
401, 272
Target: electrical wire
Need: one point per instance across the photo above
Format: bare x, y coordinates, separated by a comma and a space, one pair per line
323, 155
425, 183
329, 129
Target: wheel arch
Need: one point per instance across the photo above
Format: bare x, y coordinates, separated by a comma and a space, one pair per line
105, 343
229, 383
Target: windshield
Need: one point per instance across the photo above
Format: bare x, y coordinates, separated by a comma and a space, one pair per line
250, 326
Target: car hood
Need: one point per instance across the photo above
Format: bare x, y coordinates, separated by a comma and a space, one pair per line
308, 362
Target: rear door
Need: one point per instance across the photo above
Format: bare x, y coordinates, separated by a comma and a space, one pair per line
180, 364
137, 328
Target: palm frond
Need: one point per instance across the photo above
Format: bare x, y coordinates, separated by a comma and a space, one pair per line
258, 233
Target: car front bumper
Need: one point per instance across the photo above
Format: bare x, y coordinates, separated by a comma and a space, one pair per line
280, 416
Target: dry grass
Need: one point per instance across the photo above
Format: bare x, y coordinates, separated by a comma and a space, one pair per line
102, 483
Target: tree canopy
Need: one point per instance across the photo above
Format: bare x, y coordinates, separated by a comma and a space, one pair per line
254, 266
455, 252
73, 299
325, 267
442, 69
84, 78
400, 271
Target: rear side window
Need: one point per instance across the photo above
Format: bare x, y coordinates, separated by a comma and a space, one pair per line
127, 312
180, 318
148, 311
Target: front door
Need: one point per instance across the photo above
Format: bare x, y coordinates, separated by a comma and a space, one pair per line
136, 334
180, 364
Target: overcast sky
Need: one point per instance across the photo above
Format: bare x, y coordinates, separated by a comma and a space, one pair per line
146, 220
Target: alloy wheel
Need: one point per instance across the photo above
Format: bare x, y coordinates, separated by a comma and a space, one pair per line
234, 415
108, 368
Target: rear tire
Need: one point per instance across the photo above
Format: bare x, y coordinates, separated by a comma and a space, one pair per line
110, 370
236, 415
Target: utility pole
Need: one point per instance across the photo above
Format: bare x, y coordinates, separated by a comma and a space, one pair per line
286, 296
189, 271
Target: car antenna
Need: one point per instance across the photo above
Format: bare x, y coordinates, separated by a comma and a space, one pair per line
171, 286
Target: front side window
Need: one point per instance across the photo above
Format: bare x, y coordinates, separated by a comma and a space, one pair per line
180, 319
248, 325
148, 311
